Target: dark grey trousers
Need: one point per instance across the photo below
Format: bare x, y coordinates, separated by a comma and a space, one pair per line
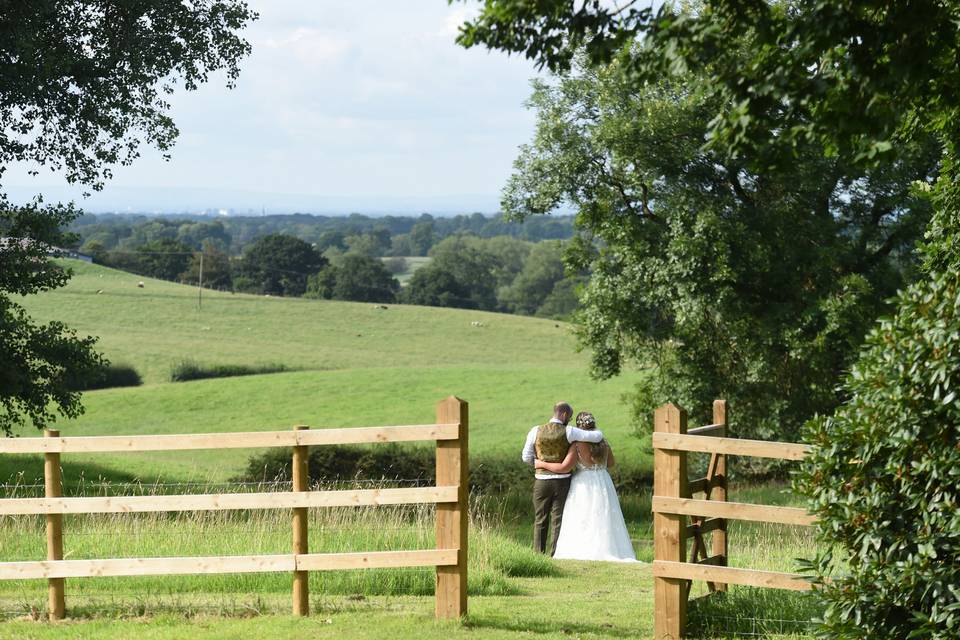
549, 496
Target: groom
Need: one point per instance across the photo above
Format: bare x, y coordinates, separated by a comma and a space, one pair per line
549, 442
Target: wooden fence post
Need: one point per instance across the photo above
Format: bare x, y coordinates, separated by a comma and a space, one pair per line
719, 489
301, 482
452, 518
53, 488
669, 530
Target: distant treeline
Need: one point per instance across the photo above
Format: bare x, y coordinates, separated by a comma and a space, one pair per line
378, 236
354, 258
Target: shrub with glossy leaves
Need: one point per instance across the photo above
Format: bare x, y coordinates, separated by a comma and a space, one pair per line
884, 477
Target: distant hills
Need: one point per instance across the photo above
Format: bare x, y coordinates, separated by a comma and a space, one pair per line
217, 201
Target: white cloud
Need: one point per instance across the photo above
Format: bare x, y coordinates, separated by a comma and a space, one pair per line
310, 46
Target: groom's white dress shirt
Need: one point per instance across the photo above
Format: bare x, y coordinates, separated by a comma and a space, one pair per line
574, 434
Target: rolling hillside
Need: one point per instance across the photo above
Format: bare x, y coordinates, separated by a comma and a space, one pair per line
354, 365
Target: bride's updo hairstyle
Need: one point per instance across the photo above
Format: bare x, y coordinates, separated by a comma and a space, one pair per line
587, 422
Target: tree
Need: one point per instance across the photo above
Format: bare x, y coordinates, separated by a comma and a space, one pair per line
83, 86
217, 272
357, 278
460, 274
756, 286
38, 362
865, 79
372, 243
280, 265
542, 270
165, 259
422, 238
781, 73
437, 287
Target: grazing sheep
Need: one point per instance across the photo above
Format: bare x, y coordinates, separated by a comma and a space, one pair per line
140, 284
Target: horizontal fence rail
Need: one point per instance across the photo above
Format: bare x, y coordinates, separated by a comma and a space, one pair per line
198, 565
238, 440
229, 501
673, 504
730, 446
450, 433
733, 511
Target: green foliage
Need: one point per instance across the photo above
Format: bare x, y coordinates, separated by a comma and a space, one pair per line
280, 265
884, 477
83, 86
187, 370
396, 265
461, 274
354, 277
752, 286
110, 376
542, 271
37, 361
217, 271
106, 74
165, 259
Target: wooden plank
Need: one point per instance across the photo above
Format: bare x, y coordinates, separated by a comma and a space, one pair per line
708, 525
146, 566
730, 446
669, 530
364, 435
718, 489
733, 510
172, 442
707, 429
53, 488
230, 501
300, 484
377, 560
452, 518
730, 575
239, 440
227, 564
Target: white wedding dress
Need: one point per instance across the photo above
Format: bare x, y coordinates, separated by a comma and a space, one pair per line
593, 526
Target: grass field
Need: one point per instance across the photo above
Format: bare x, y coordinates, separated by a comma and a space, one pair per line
514, 592
348, 365
356, 365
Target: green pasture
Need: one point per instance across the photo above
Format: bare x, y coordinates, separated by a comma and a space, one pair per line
355, 365
348, 364
413, 263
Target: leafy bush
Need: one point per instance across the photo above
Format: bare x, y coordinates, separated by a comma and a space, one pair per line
396, 265
108, 376
385, 462
190, 370
884, 477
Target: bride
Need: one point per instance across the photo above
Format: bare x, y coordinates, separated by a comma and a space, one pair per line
592, 526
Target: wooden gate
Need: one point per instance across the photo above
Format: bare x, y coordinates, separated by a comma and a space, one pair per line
673, 504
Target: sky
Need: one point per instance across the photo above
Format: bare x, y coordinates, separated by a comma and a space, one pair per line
342, 105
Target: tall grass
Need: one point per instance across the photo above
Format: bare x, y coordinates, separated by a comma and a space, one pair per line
493, 557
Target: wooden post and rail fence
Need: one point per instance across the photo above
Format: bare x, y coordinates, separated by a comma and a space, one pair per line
450, 493
673, 504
